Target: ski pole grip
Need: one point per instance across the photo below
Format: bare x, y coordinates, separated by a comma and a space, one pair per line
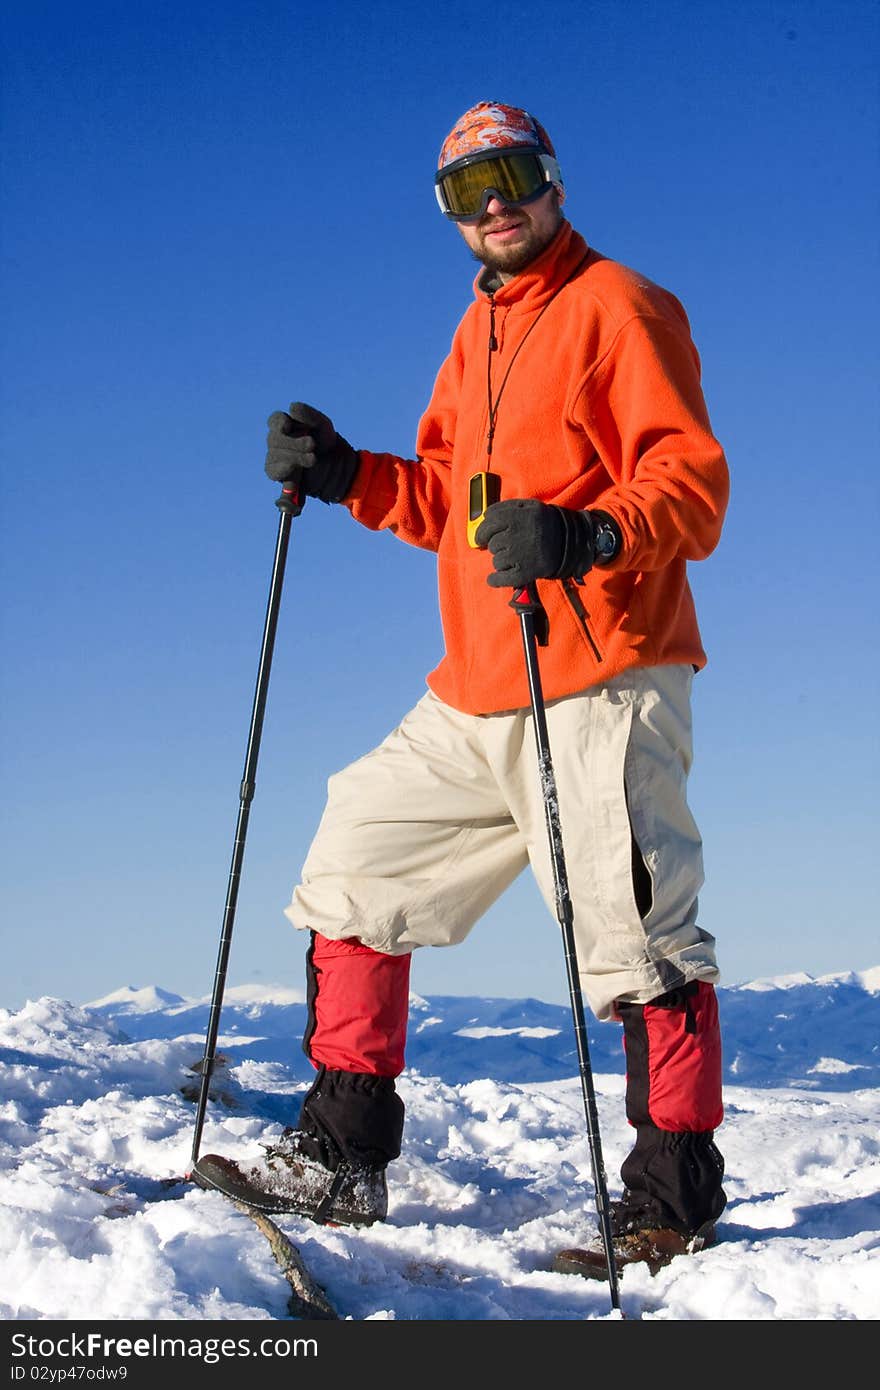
292, 498
525, 600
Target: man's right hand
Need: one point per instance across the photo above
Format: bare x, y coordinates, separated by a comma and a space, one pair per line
304, 445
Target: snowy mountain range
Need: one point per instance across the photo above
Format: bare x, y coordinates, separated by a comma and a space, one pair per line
461, 1038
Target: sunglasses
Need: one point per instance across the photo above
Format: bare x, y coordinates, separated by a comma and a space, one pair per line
464, 188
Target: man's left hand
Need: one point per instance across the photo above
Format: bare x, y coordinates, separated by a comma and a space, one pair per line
532, 540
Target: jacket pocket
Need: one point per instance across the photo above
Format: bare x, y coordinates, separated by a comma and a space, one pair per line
581, 616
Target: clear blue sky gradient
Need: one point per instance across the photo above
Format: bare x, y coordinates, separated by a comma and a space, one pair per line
211, 210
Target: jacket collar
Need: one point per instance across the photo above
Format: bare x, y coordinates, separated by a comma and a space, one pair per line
540, 280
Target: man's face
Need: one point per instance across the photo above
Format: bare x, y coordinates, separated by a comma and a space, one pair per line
508, 237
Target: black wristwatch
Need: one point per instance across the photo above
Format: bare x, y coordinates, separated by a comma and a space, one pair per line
607, 539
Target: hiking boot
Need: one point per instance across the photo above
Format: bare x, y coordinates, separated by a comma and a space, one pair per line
653, 1246
288, 1179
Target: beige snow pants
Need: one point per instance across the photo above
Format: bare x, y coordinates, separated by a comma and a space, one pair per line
422, 835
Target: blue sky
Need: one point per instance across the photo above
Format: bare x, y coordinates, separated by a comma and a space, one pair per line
209, 211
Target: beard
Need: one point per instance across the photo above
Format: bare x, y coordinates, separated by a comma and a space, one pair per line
509, 260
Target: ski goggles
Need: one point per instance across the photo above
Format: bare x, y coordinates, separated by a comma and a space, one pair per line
464, 188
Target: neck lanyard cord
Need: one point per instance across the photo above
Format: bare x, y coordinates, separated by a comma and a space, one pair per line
493, 345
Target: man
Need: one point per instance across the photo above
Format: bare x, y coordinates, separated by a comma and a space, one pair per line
572, 392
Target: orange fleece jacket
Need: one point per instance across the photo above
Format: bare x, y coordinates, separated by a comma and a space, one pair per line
602, 408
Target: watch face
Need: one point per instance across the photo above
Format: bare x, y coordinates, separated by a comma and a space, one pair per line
605, 541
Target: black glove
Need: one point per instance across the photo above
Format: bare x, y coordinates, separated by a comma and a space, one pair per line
532, 540
303, 443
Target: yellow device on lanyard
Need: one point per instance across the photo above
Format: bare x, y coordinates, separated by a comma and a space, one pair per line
483, 490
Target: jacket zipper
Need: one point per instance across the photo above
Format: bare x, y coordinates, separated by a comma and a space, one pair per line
570, 589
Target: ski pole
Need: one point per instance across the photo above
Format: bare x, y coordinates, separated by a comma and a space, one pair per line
290, 504
535, 632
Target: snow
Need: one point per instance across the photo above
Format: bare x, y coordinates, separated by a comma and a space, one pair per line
95, 1126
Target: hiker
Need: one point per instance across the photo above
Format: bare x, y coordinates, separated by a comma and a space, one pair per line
566, 445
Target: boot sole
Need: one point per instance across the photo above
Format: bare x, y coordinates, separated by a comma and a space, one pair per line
592, 1265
